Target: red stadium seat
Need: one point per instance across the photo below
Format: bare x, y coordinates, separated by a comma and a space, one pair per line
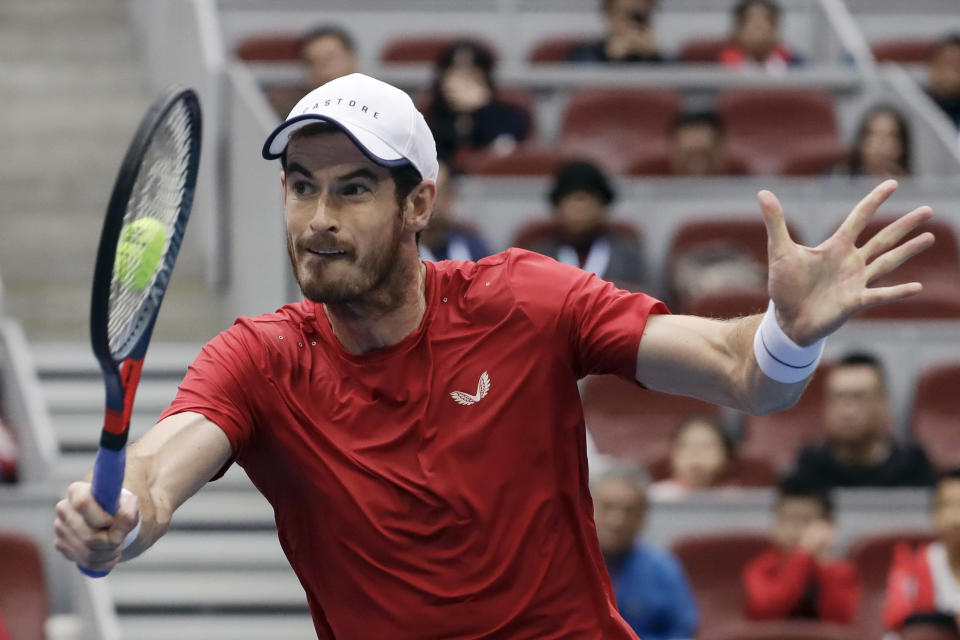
938, 268
714, 566
872, 554
905, 51
935, 421
658, 164
813, 161
778, 437
275, 47
555, 49
927, 631
612, 125
744, 471
525, 160
726, 305
701, 50
628, 421
23, 591
780, 630
425, 48
768, 127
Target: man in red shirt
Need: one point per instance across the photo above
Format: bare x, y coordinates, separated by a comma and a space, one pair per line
417, 426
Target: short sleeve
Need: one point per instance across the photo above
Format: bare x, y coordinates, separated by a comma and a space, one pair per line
600, 323
218, 386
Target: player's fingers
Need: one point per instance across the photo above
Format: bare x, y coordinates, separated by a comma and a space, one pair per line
887, 262
126, 518
891, 234
777, 233
74, 520
82, 500
861, 214
883, 295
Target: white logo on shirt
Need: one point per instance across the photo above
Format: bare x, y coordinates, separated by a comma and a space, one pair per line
483, 388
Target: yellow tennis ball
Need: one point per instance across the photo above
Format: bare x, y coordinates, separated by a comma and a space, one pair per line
138, 252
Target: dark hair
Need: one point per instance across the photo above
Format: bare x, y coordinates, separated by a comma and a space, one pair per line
327, 31
949, 40
792, 487
710, 421
580, 175
691, 118
903, 131
740, 10
864, 359
606, 4
480, 57
405, 177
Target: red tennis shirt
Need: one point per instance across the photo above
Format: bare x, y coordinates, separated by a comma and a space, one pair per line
436, 488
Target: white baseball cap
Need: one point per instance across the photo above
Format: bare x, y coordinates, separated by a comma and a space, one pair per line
380, 119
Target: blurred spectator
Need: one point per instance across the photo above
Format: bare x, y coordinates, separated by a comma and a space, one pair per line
701, 455
930, 626
8, 457
799, 578
464, 111
4, 635
444, 238
944, 70
713, 268
697, 145
327, 52
581, 197
756, 38
926, 581
651, 589
859, 450
882, 145
629, 38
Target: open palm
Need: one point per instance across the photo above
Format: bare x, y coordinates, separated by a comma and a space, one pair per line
817, 289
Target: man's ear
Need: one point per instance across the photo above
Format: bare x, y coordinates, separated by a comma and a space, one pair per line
283, 186
418, 206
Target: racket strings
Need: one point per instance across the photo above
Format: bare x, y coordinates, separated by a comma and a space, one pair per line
157, 194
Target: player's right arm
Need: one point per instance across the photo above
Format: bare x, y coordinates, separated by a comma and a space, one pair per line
170, 463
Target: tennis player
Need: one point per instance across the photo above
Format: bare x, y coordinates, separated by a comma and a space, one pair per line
416, 426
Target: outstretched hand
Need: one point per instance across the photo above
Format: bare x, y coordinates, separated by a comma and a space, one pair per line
817, 289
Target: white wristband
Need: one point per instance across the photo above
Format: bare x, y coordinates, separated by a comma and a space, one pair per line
780, 357
136, 529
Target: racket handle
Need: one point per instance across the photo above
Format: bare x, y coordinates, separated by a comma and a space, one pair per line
108, 470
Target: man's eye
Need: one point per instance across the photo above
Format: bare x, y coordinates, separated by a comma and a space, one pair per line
301, 188
355, 189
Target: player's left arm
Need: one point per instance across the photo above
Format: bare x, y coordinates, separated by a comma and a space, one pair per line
814, 290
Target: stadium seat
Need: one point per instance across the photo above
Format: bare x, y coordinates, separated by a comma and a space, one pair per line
658, 164
780, 630
745, 471
612, 125
714, 566
935, 421
927, 631
555, 49
938, 268
725, 305
277, 47
767, 127
904, 50
425, 48
628, 421
701, 50
23, 591
872, 554
525, 160
813, 161
778, 437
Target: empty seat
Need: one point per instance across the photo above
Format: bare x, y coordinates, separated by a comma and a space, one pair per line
813, 161
714, 566
613, 126
658, 164
701, 50
274, 47
23, 592
904, 50
767, 127
525, 160
744, 471
556, 48
779, 437
425, 48
935, 421
628, 421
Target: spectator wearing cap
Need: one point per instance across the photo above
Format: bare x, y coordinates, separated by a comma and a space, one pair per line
629, 38
925, 581
465, 111
581, 197
327, 52
756, 38
798, 577
445, 238
650, 586
944, 73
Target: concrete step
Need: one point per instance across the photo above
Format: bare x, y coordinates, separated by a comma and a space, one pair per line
156, 591
75, 465
285, 626
190, 550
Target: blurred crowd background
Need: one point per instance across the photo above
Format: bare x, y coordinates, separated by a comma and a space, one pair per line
625, 137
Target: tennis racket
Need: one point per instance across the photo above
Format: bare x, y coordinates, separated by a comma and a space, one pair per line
142, 233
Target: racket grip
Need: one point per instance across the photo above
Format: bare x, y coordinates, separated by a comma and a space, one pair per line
108, 470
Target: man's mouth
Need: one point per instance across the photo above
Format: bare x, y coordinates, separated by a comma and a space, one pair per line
328, 253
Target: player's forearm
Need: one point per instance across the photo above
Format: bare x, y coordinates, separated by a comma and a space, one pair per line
758, 393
